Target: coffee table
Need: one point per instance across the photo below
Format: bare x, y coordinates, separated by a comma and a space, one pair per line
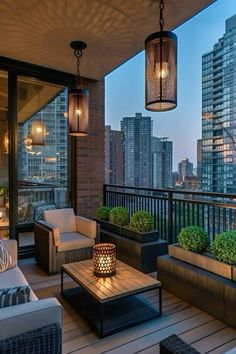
113, 303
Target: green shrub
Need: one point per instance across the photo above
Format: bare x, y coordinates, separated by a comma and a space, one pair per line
119, 216
193, 238
142, 221
2, 190
224, 247
103, 212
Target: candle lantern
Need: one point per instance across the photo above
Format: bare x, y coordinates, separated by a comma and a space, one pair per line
104, 259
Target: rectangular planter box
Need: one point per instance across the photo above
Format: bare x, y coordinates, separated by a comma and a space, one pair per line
126, 232
203, 261
109, 227
140, 236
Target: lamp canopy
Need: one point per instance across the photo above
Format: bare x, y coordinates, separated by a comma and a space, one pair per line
78, 99
161, 69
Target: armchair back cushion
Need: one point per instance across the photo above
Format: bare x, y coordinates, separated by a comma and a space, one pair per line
63, 219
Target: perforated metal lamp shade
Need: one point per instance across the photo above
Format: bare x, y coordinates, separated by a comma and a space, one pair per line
161, 71
78, 111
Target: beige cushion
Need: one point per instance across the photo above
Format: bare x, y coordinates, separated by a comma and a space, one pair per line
86, 226
64, 219
74, 240
14, 277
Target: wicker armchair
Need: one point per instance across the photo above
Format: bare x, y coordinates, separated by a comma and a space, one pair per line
63, 237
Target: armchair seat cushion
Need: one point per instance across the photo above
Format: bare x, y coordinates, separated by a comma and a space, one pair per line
73, 240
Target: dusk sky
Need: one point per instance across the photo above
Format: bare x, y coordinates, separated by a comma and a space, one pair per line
125, 86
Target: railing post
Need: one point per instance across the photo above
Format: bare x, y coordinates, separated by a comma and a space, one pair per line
170, 217
104, 194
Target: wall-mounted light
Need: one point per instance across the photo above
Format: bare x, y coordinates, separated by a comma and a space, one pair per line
161, 69
78, 99
6, 143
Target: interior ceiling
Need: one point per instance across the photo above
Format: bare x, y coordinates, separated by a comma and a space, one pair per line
40, 32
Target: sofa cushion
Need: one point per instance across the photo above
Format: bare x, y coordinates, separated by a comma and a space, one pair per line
14, 277
74, 240
6, 261
14, 296
64, 219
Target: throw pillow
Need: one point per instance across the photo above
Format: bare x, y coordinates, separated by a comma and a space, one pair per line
14, 296
6, 261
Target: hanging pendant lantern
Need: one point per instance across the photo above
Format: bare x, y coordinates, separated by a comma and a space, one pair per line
161, 69
78, 99
37, 132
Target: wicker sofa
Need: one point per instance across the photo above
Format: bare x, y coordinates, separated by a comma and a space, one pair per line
33, 327
63, 237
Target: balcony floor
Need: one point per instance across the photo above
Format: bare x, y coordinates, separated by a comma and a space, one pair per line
202, 331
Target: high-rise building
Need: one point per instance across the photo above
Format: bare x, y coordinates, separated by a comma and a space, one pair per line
218, 114
199, 158
113, 156
137, 148
185, 169
162, 156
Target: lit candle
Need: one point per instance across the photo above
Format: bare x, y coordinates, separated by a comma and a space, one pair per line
0, 215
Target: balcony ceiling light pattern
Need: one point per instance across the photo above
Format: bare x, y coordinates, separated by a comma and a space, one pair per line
38, 32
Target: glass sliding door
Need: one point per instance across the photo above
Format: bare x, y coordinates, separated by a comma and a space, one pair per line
42, 151
4, 153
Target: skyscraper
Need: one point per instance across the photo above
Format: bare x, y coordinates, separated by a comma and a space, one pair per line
199, 158
137, 148
113, 156
219, 114
162, 156
185, 169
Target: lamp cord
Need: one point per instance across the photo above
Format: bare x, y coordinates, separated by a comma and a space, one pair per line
78, 53
161, 21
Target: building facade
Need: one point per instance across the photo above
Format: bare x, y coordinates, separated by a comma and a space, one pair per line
162, 157
219, 114
137, 148
113, 156
185, 169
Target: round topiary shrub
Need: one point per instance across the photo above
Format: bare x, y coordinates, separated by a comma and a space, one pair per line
224, 247
193, 238
119, 216
142, 221
102, 213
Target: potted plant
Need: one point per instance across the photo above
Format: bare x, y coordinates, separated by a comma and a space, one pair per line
2, 195
141, 227
193, 248
112, 219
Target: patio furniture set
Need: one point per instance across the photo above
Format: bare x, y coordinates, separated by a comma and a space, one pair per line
64, 242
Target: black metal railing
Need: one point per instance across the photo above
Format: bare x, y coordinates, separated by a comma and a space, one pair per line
173, 209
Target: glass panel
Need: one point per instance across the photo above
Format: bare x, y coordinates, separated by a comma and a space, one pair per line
4, 203
42, 148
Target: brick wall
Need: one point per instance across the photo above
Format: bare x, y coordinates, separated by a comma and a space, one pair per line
90, 154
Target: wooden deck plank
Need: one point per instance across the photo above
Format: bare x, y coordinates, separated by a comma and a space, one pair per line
225, 347
215, 340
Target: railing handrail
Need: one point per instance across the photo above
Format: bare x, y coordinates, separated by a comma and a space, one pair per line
172, 190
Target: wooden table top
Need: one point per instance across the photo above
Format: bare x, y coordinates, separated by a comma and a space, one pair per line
126, 281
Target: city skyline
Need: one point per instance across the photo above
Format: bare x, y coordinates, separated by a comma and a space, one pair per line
125, 86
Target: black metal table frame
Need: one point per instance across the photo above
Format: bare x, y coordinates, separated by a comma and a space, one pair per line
101, 305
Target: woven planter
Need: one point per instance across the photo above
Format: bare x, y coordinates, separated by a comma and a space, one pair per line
204, 261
